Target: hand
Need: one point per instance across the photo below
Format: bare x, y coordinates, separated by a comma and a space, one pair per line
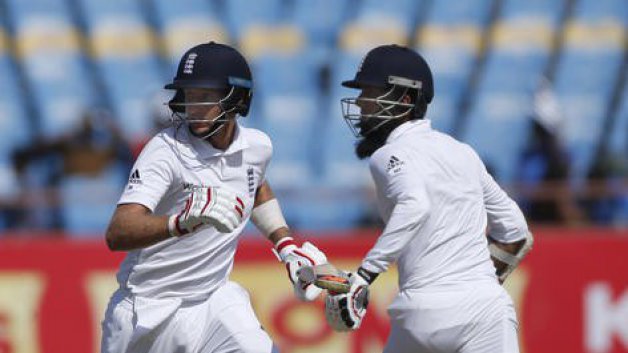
344, 312
294, 258
208, 205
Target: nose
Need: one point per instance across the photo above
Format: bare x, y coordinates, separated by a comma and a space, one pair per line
196, 111
360, 103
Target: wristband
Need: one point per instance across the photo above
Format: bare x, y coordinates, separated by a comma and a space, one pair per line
267, 217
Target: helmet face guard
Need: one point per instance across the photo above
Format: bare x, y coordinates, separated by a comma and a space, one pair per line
227, 106
212, 66
236, 101
390, 106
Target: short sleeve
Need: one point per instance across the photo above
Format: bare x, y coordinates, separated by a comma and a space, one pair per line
151, 175
261, 151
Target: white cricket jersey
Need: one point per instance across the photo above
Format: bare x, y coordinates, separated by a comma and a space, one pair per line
435, 196
192, 266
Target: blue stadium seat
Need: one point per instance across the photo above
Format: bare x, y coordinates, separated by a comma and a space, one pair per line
547, 11
87, 202
594, 39
460, 13
9, 184
122, 48
15, 126
186, 23
498, 129
242, 14
340, 166
48, 44
596, 11
499, 120
343, 177
618, 140
289, 101
404, 12
321, 21
379, 22
450, 42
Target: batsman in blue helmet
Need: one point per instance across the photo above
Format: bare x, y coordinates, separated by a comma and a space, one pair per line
445, 220
189, 196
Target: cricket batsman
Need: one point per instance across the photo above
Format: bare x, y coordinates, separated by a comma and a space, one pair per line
437, 201
190, 193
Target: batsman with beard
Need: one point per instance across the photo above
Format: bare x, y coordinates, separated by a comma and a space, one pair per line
438, 203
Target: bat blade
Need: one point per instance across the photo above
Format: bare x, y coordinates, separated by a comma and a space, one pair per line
325, 276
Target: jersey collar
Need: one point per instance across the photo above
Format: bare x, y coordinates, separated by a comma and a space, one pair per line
206, 150
409, 126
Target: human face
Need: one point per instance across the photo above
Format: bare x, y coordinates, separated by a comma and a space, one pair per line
202, 117
369, 107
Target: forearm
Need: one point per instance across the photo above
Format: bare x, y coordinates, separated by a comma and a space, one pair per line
401, 228
131, 229
267, 215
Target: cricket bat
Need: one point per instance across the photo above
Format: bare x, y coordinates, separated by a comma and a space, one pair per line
325, 276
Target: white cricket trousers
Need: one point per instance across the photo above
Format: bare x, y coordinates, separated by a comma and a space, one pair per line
224, 323
476, 318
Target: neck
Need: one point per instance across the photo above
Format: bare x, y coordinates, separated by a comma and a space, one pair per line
223, 138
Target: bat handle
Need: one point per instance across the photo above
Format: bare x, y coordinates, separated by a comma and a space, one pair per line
306, 274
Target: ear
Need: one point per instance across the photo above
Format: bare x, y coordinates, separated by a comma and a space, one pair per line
406, 99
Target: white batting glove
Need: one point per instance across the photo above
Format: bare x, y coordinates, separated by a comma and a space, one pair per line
294, 258
344, 312
218, 207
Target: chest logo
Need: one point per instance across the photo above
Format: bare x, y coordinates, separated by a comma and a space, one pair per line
250, 176
394, 165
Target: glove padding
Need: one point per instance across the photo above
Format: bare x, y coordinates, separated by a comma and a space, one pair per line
296, 257
344, 312
218, 207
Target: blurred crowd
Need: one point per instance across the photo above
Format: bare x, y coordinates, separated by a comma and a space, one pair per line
537, 87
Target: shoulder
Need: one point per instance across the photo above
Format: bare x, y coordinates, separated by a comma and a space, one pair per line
256, 137
160, 144
388, 160
257, 140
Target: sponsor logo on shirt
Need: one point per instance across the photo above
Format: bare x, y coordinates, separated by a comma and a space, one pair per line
394, 165
135, 177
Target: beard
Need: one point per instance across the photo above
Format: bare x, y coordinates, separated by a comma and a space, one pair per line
367, 145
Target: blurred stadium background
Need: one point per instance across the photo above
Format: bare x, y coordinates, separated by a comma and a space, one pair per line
537, 87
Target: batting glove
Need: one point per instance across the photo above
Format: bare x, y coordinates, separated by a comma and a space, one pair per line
208, 205
294, 258
344, 312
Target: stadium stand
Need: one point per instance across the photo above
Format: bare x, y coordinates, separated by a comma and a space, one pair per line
594, 38
122, 48
321, 21
183, 24
61, 58
521, 38
14, 125
47, 43
450, 41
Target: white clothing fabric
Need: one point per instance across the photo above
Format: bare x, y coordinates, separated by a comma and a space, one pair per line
223, 323
436, 197
464, 319
193, 266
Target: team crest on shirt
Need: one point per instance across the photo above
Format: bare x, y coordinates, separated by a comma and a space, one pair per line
250, 176
394, 165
